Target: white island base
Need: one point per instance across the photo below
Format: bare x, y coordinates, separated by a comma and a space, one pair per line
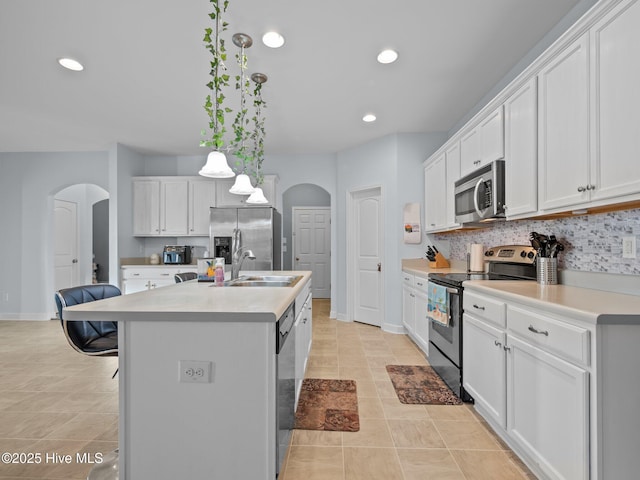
221, 429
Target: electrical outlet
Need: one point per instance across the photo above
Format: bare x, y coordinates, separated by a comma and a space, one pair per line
194, 371
629, 247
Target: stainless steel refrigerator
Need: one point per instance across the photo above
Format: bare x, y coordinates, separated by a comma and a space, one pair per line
261, 231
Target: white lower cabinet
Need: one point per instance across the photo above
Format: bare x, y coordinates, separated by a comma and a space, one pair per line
485, 367
141, 278
548, 410
303, 335
414, 309
534, 396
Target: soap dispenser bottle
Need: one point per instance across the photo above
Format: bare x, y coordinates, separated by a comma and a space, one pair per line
219, 271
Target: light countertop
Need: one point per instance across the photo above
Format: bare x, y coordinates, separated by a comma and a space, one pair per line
420, 266
592, 306
195, 301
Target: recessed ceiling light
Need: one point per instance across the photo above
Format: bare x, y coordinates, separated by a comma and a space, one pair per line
369, 117
273, 39
387, 56
71, 64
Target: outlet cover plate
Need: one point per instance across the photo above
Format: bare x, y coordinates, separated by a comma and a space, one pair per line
195, 371
629, 247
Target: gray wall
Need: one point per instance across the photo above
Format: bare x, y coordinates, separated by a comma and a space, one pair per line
303, 195
101, 239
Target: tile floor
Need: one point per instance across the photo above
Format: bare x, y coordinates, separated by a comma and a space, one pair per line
395, 441
56, 401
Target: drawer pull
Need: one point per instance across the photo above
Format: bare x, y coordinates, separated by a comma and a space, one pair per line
476, 306
540, 332
497, 343
506, 349
420, 284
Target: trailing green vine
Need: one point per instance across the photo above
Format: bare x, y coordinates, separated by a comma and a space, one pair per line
241, 122
219, 79
258, 131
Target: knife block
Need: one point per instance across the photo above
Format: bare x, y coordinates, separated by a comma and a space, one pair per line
440, 262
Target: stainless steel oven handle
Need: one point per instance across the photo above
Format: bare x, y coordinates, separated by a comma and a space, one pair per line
450, 291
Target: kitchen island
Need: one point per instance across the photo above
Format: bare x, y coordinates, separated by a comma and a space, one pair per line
222, 427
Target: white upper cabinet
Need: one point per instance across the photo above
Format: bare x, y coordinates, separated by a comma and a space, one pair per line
435, 185
563, 127
146, 207
483, 144
174, 198
521, 151
202, 196
452, 154
615, 101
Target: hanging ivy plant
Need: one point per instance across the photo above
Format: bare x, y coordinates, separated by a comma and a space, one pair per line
258, 127
219, 78
241, 122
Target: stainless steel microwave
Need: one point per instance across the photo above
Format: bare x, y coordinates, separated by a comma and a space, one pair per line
479, 196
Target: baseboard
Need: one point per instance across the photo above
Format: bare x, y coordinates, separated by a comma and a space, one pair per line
333, 314
391, 328
25, 316
343, 317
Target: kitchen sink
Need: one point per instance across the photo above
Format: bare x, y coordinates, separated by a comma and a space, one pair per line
265, 281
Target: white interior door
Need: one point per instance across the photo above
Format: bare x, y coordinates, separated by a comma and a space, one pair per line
312, 246
65, 244
367, 247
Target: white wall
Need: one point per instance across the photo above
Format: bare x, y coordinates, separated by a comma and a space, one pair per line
393, 162
28, 183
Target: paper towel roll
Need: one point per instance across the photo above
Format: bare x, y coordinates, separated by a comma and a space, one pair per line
476, 263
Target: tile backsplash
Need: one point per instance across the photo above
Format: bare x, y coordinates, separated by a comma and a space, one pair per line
593, 243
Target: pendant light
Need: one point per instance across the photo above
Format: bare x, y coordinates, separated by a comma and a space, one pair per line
216, 166
242, 185
257, 197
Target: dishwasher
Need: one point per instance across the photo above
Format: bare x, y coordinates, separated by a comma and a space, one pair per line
286, 388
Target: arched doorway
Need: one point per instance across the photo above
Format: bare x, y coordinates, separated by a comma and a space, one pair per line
306, 222
81, 235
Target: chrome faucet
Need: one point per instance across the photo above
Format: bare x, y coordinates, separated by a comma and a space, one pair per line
239, 254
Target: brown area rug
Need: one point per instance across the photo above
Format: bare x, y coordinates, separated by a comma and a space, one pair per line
420, 385
328, 405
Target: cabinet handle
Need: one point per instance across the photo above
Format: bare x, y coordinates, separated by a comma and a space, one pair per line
164, 274
541, 332
420, 284
591, 187
506, 349
412, 295
136, 274
582, 189
497, 343
478, 307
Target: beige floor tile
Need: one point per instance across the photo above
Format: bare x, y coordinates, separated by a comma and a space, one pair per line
373, 433
355, 373
317, 438
370, 407
415, 434
385, 389
450, 412
466, 435
482, 465
371, 464
323, 361
31, 425
366, 388
429, 464
314, 463
322, 372
347, 359
85, 426
394, 409
379, 373
381, 361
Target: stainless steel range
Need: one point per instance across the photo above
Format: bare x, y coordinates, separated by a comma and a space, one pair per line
509, 262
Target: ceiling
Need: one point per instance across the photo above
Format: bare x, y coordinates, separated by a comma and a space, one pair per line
146, 68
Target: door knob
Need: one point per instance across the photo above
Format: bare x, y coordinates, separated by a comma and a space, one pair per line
379, 267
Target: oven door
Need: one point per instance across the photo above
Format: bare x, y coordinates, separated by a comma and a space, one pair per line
447, 338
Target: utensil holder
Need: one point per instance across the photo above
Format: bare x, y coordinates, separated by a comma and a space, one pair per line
547, 270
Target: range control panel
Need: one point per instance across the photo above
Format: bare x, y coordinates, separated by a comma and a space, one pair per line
525, 254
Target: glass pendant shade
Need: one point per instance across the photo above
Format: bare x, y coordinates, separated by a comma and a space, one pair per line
216, 166
242, 186
257, 197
